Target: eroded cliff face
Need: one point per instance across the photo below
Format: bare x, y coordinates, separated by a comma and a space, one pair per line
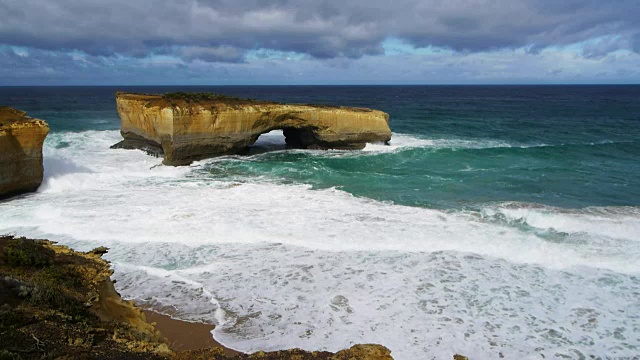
187, 127
21, 139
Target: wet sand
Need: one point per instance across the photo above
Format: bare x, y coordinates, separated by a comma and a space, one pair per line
180, 335
184, 335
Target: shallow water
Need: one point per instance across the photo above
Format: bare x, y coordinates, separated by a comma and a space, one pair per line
500, 220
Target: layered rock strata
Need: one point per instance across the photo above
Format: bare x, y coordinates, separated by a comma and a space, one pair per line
21, 139
184, 127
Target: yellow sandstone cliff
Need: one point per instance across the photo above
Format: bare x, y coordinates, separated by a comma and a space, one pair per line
185, 127
21, 139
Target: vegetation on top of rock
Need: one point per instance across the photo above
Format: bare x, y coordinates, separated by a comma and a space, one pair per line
16, 252
9, 111
47, 294
10, 114
99, 251
201, 96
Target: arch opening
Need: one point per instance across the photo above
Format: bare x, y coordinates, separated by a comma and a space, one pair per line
273, 140
284, 138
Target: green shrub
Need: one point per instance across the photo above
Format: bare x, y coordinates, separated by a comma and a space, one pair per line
24, 252
8, 355
62, 274
51, 294
194, 97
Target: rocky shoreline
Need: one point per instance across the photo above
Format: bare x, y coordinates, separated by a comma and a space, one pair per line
59, 303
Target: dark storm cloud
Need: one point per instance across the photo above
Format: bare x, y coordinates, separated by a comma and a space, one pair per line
223, 30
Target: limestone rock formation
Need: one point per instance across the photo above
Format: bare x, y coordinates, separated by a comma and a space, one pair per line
185, 127
21, 139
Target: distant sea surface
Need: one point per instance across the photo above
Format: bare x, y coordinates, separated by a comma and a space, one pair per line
500, 221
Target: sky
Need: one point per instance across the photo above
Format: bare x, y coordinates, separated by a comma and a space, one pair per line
269, 42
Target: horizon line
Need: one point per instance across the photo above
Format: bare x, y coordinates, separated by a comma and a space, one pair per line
356, 84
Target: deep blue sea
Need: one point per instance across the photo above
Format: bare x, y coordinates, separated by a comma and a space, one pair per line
501, 220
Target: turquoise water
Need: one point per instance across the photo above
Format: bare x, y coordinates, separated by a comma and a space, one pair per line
500, 221
566, 146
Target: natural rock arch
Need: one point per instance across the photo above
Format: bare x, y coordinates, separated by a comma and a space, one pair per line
195, 126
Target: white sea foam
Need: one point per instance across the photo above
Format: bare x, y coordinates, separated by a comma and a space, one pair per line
400, 142
406, 141
601, 222
275, 141
421, 305
286, 266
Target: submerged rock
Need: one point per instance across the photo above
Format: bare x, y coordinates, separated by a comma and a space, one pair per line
21, 139
184, 127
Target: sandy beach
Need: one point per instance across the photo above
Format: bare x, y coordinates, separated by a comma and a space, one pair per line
185, 335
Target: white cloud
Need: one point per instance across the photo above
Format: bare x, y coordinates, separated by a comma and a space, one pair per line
322, 41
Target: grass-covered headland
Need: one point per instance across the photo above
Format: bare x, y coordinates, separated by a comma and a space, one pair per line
54, 303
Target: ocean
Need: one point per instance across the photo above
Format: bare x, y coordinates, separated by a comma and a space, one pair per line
501, 221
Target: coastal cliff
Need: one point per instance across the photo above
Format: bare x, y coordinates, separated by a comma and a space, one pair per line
184, 127
21, 139
59, 303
